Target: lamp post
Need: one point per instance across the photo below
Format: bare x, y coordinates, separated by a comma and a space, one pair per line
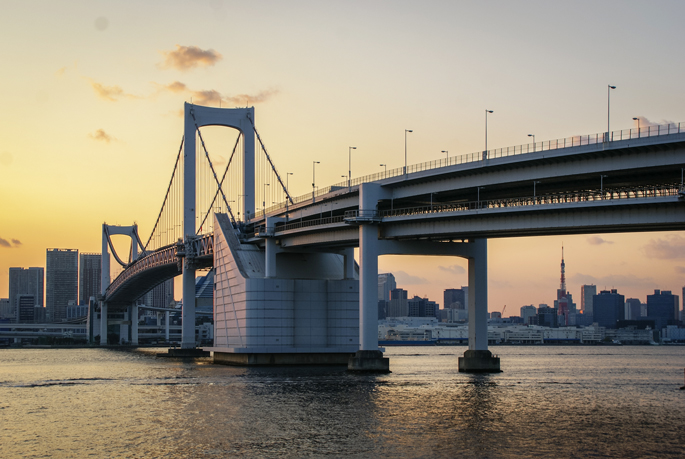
609, 88
638, 125
478, 195
264, 198
601, 184
485, 153
314, 163
385, 174
349, 169
535, 182
447, 156
405, 149
533, 136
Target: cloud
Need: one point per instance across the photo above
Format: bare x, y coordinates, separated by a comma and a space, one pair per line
110, 93
453, 269
6, 158
188, 57
596, 240
680, 269
60, 72
614, 280
668, 248
102, 136
214, 97
403, 278
6, 244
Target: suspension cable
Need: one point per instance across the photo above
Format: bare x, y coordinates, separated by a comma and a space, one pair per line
166, 197
273, 167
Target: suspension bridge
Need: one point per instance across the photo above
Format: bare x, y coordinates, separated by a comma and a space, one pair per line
287, 287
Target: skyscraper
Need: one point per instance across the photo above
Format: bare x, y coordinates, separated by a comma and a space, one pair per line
633, 309
89, 278
25, 282
609, 307
61, 282
386, 282
454, 298
662, 307
398, 305
586, 294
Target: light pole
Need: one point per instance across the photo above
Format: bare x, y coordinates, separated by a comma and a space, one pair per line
601, 184
385, 174
349, 169
405, 149
609, 88
314, 179
264, 198
533, 136
485, 153
447, 156
535, 182
478, 195
638, 125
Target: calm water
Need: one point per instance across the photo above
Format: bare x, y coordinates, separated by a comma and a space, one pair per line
620, 401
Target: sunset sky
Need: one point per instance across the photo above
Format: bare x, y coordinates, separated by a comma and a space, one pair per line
91, 94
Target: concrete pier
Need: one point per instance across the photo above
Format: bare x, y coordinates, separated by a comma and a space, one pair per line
369, 361
481, 361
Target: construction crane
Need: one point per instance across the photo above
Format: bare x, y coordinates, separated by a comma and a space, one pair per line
504, 309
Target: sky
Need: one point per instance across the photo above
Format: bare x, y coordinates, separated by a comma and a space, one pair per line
92, 90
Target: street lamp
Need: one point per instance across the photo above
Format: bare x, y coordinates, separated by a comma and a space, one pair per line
609, 88
349, 169
385, 174
405, 149
264, 198
533, 136
535, 182
287, 174
638, 125
314, 179
447, 156
485, 153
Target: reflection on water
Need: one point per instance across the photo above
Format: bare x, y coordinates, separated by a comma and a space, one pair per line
549, 401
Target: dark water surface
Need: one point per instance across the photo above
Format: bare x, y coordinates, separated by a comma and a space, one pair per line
613, 401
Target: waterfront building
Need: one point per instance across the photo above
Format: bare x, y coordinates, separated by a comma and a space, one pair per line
454, 298
422, 307
26, 305
633, 309
61, 282
398, 306
662, 308
25, 282
89, 278
587, 292
546, 317
6, 311
609, 308
386, 283
527, 312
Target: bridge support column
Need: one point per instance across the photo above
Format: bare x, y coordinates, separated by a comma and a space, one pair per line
134, 324
478, 359
349, 263
103, 324
166, 326
188, 311
369, 357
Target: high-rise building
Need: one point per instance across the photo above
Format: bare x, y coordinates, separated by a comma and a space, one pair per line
89, 279
6, 311
662, 308
398, 305
25, 308
633, 309
609, 308
386, 282
586, 294
25, 282
61, 282
422, 307
163, 294
528, 311
454, 298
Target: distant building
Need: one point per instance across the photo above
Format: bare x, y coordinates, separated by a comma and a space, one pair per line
527, 312
26, 305
662, 308
25, 282
422, 307
454, 298
633, 309
6, 311
160, 296
89, 277
586, 294
382, 309
386, 283
61, 282
545, 317
609, 308
398, 305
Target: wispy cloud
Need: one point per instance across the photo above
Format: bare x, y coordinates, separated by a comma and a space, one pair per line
680, 269
596, 240
614, 280
214, 97
60, 72
6, 244
403, 278
668, 248
188, 57
110, 93
453, 269
101, 136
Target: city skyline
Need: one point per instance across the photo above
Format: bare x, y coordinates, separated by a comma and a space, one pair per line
94, 125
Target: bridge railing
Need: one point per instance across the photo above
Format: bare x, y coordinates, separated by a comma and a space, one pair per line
546, 145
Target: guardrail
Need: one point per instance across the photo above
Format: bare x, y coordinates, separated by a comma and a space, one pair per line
546, 145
